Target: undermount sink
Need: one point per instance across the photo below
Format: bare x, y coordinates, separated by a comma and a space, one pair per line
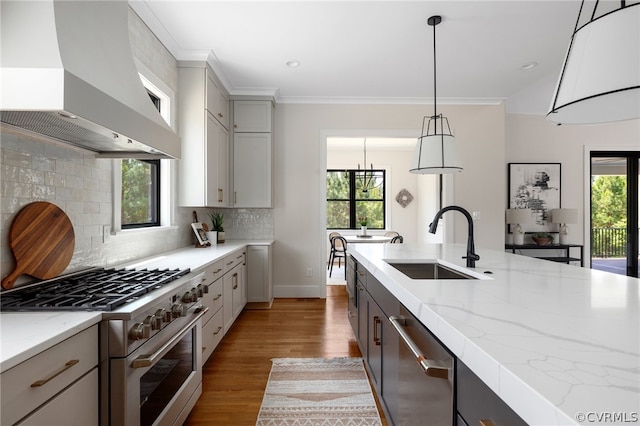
429, 271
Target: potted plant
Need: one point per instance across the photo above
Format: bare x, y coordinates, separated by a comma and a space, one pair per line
542, 238
363, 224
217, 220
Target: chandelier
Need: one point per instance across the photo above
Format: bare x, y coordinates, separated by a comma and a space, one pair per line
367, 179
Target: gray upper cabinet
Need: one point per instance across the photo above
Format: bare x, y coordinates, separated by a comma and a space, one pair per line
203, 126
252, 154
252, 116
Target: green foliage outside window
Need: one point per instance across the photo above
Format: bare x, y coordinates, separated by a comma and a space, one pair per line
347, 201
139, 192
609, 202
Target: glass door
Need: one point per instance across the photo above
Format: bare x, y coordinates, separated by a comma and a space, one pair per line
615, 217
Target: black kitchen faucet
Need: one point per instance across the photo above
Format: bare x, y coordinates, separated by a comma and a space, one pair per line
471, 255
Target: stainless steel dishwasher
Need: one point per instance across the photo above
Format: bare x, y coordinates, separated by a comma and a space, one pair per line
425, 375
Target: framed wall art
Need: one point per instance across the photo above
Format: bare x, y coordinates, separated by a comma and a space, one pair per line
535, 186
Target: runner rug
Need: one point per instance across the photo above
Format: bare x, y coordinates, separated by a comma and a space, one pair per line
318, 392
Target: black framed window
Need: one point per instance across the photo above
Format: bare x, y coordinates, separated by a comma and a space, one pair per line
140, 193
140, 201
353, 195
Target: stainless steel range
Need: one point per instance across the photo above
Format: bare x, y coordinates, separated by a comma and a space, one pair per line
150, 337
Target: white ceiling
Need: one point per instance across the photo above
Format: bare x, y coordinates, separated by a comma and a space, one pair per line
371, 51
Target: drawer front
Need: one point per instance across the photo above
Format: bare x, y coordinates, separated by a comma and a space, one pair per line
75, 406
215, 295
477, 403
217, 270
31, 383
233, 259
212, 334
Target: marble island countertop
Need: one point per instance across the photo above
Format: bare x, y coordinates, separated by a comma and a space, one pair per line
559, 344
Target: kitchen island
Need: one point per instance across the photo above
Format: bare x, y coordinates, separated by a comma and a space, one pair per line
557, 343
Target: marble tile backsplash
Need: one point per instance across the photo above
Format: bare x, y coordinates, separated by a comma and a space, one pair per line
35, 169
243, 224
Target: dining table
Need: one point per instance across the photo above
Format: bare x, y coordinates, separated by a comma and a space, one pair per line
367, 239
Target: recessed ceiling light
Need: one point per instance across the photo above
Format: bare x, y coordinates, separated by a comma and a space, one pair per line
293, 64
529, 66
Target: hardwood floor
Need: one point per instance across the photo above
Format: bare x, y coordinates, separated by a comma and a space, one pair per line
236, 375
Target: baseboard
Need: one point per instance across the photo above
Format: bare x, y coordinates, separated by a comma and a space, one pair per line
259, 305
287, 291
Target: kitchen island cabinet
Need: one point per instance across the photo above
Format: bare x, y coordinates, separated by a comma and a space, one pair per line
540, 336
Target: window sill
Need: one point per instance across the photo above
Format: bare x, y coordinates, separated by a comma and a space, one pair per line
124, 232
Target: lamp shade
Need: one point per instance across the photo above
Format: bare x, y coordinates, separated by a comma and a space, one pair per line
564, 216
435, 154
518, 216
600, 79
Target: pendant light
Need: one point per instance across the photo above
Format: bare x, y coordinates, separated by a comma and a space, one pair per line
600, 78
435, 151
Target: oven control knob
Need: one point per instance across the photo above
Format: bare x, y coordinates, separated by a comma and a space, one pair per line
178, 310
205, 288
158, 319
148, 324
168, 315
201, 290
187, 297
137, 331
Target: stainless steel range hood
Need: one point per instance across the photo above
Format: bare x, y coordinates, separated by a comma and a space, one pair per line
68, 73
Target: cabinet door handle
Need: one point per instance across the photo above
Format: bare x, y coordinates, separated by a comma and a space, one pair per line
220, 115
66, 366
217, 297
376, 337
235, 280
217, 331
431, 368
220, 194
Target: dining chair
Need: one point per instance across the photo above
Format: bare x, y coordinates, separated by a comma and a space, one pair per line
331, 235
338, 251
397, 240
391, 234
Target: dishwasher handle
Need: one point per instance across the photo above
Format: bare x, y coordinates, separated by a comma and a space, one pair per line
431, 368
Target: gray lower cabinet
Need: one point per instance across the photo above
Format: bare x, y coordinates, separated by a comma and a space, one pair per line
479, 405
393, 342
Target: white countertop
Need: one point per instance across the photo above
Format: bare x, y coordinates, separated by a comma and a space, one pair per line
25, 334
554, 341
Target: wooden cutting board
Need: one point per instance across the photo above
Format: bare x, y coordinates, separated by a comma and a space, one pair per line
42, 241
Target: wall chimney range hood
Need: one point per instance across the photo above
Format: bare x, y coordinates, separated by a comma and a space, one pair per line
67, 72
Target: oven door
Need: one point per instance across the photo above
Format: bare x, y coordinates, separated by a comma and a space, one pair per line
160, 382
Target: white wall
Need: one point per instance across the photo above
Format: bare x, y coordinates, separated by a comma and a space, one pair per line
531, 139
300, 167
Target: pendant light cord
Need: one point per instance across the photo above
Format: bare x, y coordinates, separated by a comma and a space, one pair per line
435, 97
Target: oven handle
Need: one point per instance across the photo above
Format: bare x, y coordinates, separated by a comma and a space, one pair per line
148, 360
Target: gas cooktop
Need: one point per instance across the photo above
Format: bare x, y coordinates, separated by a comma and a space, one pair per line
92, 290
